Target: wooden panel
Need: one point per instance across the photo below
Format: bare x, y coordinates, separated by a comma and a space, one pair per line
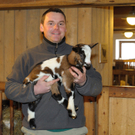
44, 3
89, 105
110, 44
84, 19
2, 86
9, 41
0, 113
122, 92
33, 25
11, 118
121, 116
20, 32
41, 11
71, 24
103, 112
102, 32
2, 46
116, 111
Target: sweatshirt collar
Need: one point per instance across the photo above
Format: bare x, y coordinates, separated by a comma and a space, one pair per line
54, 44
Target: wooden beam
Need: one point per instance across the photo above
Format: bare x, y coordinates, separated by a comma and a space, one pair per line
49, 3
124, 92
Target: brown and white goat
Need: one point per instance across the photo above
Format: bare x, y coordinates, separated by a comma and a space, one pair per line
59, 68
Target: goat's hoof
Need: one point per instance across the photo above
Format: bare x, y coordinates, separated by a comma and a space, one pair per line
76, 108
33, 127
73, 116
32, 124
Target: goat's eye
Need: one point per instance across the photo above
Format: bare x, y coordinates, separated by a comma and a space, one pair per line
82, 56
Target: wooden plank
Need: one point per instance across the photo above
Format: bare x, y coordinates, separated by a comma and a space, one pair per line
94, 39
0, 113
41, 11
71, 24
121, 116
84, 19
110, 43
44, 3
130, 116
123, 72
9, 41
33, 25
2, 86
89, 105
2, 46
103, 112
11, 118
20, 32
125, 92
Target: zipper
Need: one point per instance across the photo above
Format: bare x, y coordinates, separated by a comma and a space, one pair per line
56, 47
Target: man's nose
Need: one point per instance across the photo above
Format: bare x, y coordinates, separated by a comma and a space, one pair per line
56, 26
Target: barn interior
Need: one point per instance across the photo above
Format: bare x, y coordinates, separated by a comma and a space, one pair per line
88, 21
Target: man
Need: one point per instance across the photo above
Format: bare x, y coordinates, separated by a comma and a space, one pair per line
51, 118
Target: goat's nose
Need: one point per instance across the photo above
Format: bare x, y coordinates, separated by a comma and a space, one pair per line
87, 65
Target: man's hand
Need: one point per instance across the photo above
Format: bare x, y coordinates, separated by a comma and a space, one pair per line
79, 77
42, 86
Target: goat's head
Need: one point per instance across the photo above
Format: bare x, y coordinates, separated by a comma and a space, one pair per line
81, 55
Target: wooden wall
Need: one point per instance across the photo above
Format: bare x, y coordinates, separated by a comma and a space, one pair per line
102, 32
19, 30
116, 108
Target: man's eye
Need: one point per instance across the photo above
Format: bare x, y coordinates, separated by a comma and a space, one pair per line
50, 23
61, 24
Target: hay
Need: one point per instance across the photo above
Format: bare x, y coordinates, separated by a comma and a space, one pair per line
6, 121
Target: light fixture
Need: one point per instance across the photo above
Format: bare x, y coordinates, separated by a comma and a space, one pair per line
131, 17
128, 34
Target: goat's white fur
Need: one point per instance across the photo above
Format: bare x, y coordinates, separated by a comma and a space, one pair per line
31, 114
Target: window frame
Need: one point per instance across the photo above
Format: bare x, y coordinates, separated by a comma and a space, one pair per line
120, 46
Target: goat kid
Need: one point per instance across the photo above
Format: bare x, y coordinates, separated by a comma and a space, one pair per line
59, 68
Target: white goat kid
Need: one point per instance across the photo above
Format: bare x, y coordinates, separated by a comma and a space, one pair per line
59, 68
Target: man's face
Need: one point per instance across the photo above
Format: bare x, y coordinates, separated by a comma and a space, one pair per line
54, 27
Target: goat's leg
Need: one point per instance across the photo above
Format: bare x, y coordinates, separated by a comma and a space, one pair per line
71, 106
57, 95
69, 88
31, 113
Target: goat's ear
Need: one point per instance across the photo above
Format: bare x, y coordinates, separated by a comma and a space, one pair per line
91, 46
75, 49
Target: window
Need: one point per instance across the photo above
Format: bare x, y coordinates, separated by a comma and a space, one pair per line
125, 49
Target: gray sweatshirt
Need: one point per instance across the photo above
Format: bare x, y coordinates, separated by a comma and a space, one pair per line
49, 114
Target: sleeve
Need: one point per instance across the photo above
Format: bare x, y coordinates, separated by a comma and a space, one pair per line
93, 85
14, 89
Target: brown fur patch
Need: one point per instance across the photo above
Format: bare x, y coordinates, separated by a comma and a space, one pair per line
36, 70
73, 58
54, 89
64, 66
68, 78
58, 59
47, 70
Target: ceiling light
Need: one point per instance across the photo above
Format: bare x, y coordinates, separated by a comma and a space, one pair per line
131, 17
131, 20
128, 34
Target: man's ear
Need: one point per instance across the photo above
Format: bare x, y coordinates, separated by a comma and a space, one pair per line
41, 27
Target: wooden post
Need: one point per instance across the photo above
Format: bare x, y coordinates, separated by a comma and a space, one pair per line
11, 118
0, 113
